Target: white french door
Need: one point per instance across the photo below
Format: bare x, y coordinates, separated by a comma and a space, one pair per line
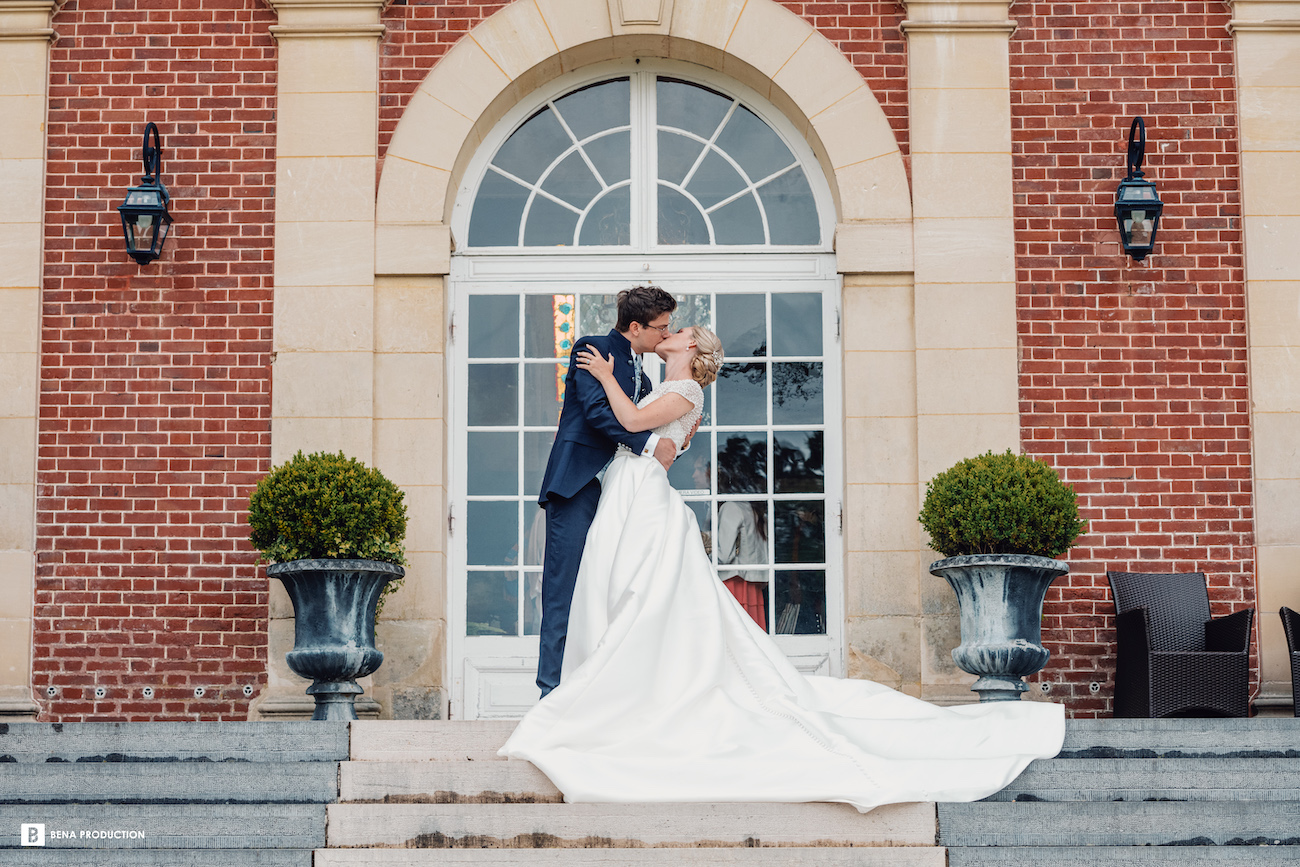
769, 447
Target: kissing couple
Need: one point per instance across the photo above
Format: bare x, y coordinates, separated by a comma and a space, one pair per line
657, 686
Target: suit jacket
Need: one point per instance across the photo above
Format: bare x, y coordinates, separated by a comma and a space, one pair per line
589, 432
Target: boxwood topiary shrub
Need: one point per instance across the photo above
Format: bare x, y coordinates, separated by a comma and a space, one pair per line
1000, 504
324, 506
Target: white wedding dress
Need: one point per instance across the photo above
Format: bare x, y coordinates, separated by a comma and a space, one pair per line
671, 692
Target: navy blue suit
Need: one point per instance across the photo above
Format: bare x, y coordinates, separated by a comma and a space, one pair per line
587, 437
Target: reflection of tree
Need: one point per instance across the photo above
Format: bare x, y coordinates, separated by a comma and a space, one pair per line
799, 469
800, 531
796, 382
742, 466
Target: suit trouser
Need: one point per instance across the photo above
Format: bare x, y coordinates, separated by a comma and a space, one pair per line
567, 523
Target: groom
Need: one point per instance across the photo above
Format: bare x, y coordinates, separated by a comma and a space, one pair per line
584, 445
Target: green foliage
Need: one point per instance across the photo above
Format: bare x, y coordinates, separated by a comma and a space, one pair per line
1000, 504
325, 506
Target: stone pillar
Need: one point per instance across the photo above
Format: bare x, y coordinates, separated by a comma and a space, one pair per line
25, 36
959, 97
322, 387
1267, 41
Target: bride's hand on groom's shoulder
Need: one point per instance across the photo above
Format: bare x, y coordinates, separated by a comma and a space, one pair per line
596, 364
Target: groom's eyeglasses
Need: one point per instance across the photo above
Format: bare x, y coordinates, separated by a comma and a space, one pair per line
662, 329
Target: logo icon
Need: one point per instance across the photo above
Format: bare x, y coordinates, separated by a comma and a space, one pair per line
33, 834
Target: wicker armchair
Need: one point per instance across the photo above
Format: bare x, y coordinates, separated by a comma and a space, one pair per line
1291, 625
1174, 659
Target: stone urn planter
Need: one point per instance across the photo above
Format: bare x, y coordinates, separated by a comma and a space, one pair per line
334, 627
1001, 601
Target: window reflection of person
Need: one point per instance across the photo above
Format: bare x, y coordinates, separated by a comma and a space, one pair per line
741, 538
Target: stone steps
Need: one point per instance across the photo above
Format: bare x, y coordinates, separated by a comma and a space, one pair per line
1196, 779
871, 856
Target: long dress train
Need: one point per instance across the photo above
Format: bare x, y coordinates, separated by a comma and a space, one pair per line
671, 692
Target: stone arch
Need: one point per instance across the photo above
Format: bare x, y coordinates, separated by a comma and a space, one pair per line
530, 42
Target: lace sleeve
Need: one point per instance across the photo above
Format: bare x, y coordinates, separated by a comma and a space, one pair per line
687, 388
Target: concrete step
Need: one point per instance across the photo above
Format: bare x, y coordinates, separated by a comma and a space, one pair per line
582, 826
1212, 779
1119, 856
299, 741
1122, 823
429, 740
1181, 738
167, 826
512, 782
37, 857
169, 783
858, 856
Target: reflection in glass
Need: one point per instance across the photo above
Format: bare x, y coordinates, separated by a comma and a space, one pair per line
493, 394
714, 181
742, 325
741, 392
493, 532
797, 392
690, 107
550, 325
680, 221
800, 315
596, 107
498, 208
755, 145
797, 458
537, 450
741, 539
800, 531
692, 472
738, 222
543, 393
800, 602
493, 458
533, 147
791, 209
572, 181
609, 222
677, 153
597, 314
703, 520
491, 603
493, 326
612, 156
742, 462
549, 224
532, 603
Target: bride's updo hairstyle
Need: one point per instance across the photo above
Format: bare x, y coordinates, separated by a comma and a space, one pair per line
708, 356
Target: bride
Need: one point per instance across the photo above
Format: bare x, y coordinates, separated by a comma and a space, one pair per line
671, 692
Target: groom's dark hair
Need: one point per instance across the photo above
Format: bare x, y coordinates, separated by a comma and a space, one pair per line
642, 304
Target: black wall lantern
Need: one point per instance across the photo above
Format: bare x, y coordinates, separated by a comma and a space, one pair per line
145, 220
1137, 206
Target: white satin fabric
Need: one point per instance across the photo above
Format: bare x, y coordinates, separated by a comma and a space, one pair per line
670, 692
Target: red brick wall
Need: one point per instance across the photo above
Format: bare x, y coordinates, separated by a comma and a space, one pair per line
155, 385
419, 34
1133, 375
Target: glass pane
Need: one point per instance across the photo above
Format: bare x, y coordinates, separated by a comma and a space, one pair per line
537, 450
597, 314
498, 208
742, 462
701, 510
533, 147
493, 459
543, 393
691, 473
800, 531
493, 326
612, 156
535, 540
751, 593
491, 603
751, 142
677, 154
550, 323
532, 603
741, 392
741, 538
693, 310
791, 209
738, 222
714, 181
797, 457
797, 392
493, 394
493, 533
609, 222
800, 316
596, 108
801, 603
690, 107
549, 224
680, 222
572, 181
742, 325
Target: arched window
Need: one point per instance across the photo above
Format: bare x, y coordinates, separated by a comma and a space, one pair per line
577, 173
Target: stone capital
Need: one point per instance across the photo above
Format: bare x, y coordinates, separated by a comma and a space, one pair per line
962, 16
26, 20
306, 19
1265, 15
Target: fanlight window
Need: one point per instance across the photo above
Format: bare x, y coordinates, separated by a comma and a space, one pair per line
574, 174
